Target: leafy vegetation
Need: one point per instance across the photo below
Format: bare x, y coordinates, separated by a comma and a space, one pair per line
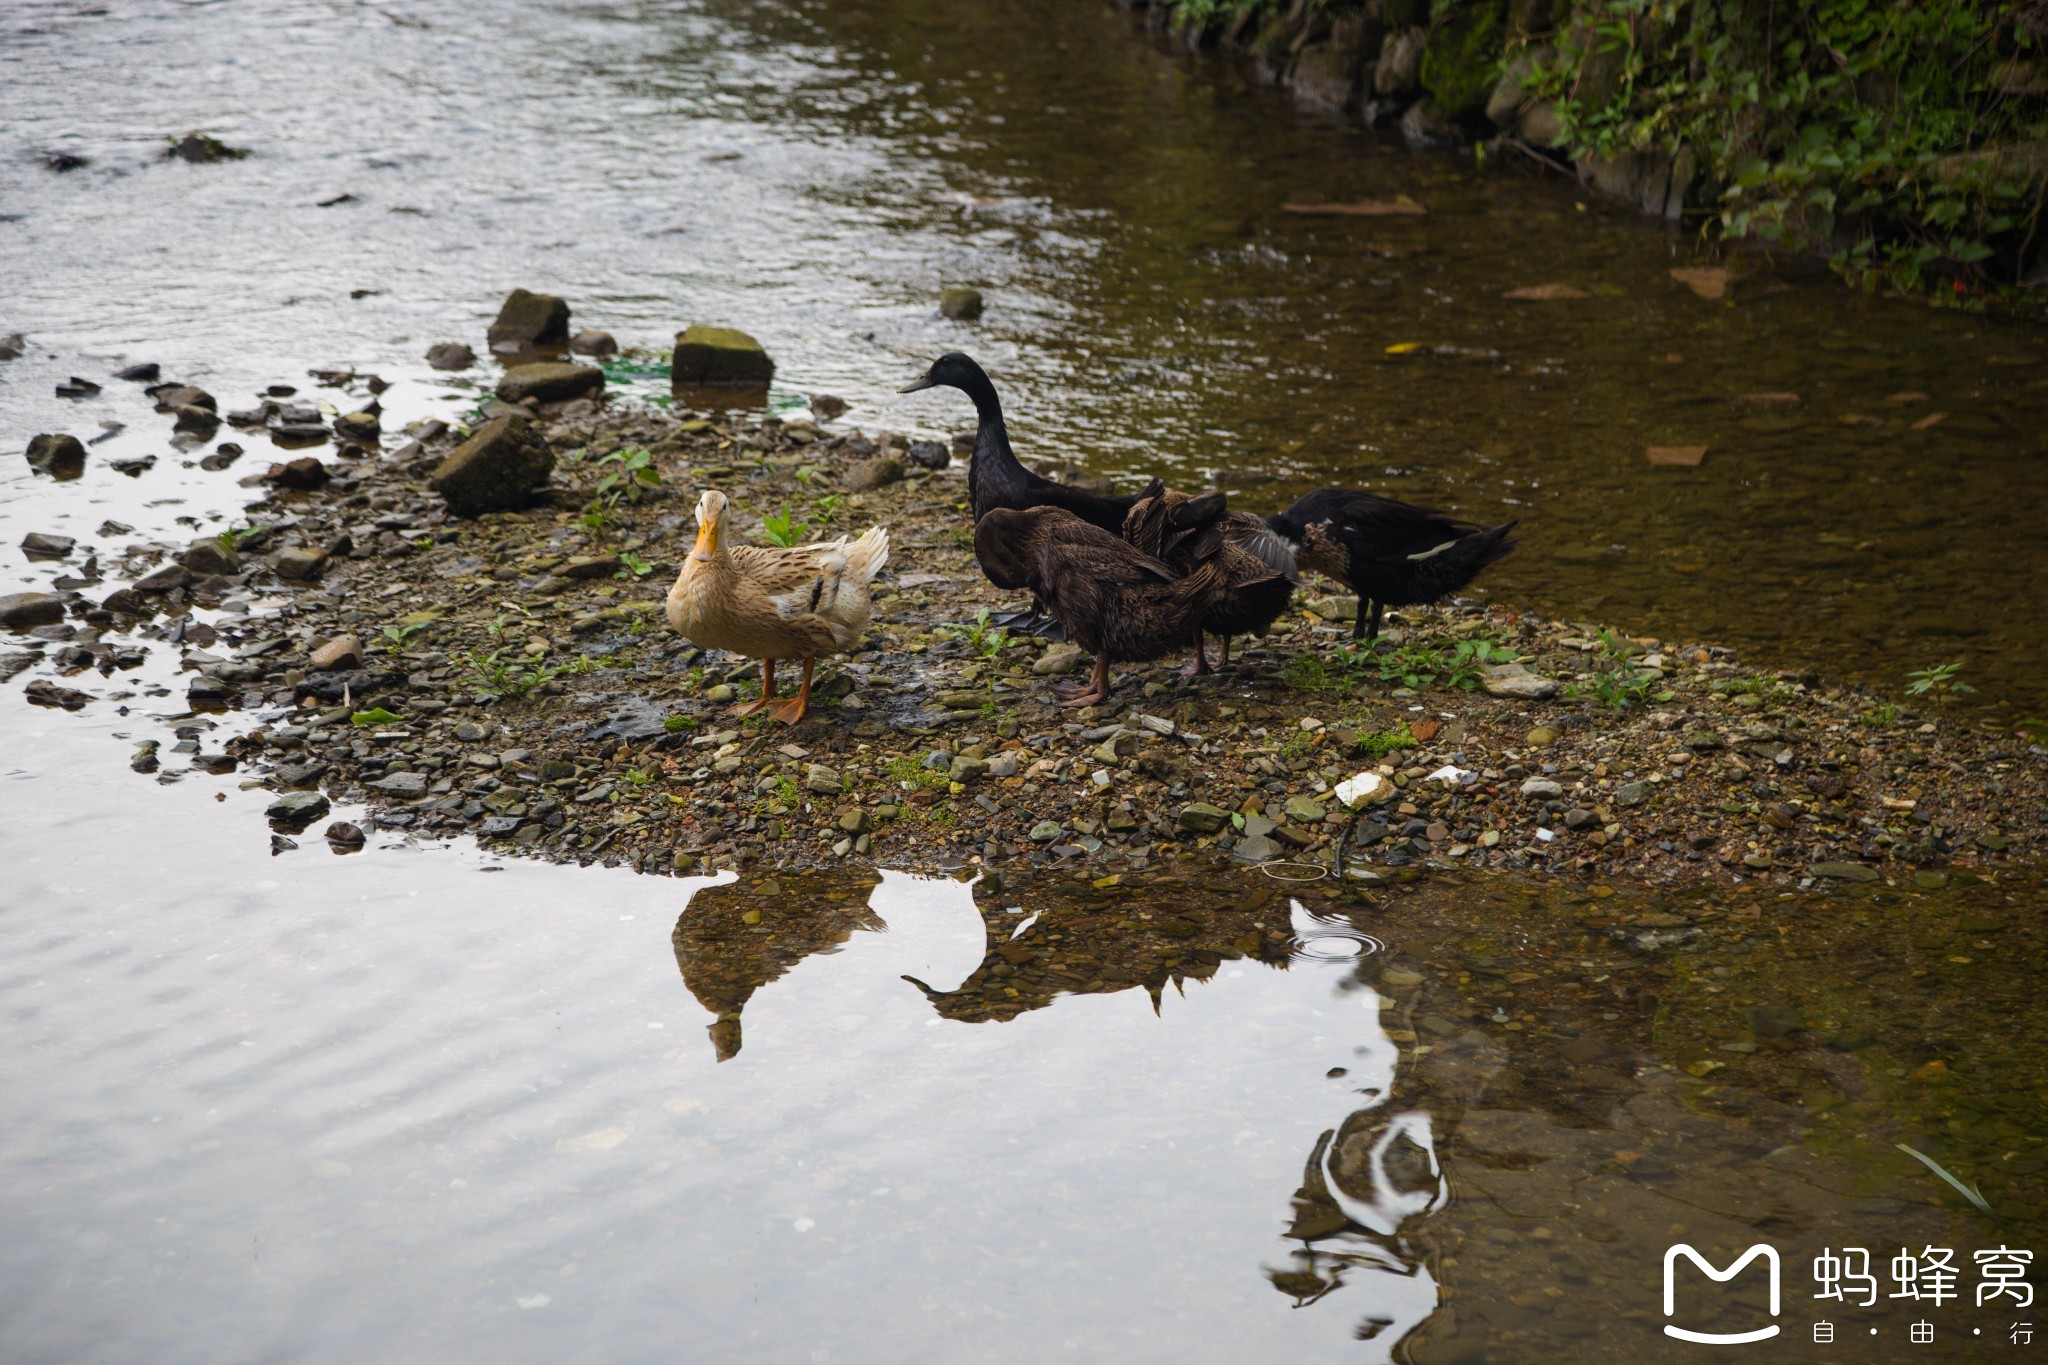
1755, 685
1846, 125
494, 675
784, 530
908, 770
376, 715
1380, 743
1614, 681
632, 566
1939, 679
984, 639
1411, 665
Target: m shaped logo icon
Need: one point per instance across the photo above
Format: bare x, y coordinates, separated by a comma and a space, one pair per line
1671, 1255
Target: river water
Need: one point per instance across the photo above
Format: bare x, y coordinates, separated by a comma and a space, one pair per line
416, 1105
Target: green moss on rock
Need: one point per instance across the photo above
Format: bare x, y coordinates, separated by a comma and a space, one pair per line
1463, 60
713, 356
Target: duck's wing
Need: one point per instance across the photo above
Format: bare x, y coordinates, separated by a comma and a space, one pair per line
775, 570
1253, 536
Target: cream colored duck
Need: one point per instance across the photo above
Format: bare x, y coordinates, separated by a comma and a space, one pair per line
764, 602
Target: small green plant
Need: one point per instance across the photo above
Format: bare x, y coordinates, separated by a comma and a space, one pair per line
639, 777
1380, 743
1880, 715
632, 566
677, 725
1939, 679
909, 771
827, 507
634, 477
402, 634
494, 675
1615, 682
376, 715
232, 538
784, 530
984, 639
598, 515
1755, 685
805, 475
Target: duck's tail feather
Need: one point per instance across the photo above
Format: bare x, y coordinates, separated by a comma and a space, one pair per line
1437, 573
864, 558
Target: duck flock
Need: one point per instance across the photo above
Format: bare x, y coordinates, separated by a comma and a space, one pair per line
1129, 579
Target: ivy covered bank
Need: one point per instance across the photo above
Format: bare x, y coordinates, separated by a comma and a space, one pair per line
1906, 142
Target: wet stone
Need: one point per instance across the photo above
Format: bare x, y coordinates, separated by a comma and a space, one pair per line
1542, 789
1203, 818
300, 564
297, 807
1845, 872
57, 454
549, 382
43, 692
26, 610
207, 557
43, 545
529, 320
401, 784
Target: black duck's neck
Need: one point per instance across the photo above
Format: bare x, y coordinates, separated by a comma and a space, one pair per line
991, 438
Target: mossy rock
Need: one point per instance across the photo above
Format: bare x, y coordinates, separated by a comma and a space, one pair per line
530, 320
1463, 60
712, 356
550, 382
498, 468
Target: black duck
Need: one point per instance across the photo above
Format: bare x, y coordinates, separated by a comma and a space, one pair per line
1111, 598
995, 478
1392, 554
1255, 564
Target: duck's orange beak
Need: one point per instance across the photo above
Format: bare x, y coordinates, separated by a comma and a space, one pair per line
706, 547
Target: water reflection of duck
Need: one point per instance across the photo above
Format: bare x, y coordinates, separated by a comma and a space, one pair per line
1372, 1173
1391, 553
734, 939
1047, 940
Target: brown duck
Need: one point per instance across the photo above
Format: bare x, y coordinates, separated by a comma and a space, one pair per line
1255, 566
768, 603
1112, 599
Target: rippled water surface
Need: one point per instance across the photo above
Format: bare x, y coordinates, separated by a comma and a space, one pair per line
415, 1105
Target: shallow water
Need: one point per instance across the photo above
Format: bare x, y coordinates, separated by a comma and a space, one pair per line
398, 1106
403, 1106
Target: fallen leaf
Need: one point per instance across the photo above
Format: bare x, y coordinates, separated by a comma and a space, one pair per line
1931, 419
1857, 419
1677, 457
1545, 293
1771, 400
1904, 398
1668, 358
1424, 730
1404, 347
1708, 281
1402, 207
